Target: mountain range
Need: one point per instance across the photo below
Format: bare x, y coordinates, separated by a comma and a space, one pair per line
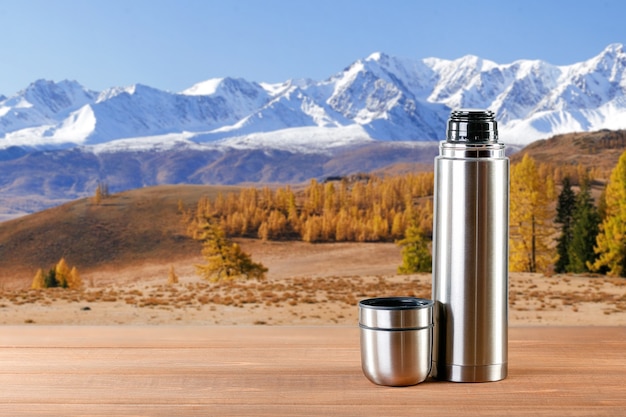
58, 139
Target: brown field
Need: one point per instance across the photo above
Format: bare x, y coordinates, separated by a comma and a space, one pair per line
306, 285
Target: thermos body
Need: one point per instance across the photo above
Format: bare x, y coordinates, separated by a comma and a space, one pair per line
470, 260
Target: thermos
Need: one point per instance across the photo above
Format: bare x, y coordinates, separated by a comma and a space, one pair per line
470, 251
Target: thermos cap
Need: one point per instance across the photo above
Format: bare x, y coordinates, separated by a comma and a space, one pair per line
472, 126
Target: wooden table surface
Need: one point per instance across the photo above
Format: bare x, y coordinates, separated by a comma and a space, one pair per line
290, 371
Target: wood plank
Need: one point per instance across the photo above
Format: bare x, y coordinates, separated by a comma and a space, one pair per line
280, 371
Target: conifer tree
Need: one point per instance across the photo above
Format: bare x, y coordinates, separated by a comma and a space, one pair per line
50, 279
564, 215
585, 228
225, 259
416, 256
611, 241
530, 216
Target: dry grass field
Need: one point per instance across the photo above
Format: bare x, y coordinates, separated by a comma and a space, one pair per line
306, 285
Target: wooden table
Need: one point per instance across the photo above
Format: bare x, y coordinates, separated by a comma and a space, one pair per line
290, 371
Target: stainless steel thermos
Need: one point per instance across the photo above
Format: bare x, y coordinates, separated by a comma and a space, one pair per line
470, 251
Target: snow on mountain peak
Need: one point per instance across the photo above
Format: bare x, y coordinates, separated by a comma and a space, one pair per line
387, 97
225, 87
614, 49
109, 93
377, 56
204, 88
56, 97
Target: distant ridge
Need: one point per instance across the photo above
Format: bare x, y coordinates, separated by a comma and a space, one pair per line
598, 150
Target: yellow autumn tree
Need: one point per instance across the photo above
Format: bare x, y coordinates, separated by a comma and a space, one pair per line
343, 229
39, 282
172, 278
611, 241
74, 280
416, 256
58, 276
531, 228
225, 260
102, 192
312, 229
62, 273
356, 208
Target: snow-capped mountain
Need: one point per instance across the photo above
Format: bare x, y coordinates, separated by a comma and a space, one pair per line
534, 99
376, 98
59, 139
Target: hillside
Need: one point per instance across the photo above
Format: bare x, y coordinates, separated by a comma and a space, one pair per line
132, 227
598, 150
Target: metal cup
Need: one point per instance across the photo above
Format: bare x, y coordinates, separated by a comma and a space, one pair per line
396, 339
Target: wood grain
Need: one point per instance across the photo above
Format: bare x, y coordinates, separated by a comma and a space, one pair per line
289, 371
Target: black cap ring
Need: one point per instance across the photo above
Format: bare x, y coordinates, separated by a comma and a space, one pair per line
472, 126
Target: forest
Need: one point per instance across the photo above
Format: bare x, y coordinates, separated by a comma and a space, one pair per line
361, 208
556, 225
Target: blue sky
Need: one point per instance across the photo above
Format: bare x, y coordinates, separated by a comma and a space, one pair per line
173, 44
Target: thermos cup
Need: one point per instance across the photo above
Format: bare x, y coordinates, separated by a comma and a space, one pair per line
470, 251
396, 339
